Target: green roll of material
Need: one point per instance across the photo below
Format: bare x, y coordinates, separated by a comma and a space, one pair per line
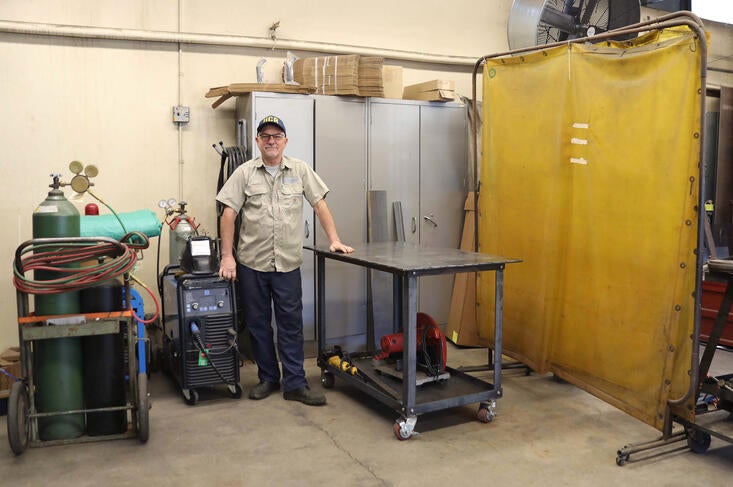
143, 221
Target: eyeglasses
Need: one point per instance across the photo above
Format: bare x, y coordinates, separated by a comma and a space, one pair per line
267, 137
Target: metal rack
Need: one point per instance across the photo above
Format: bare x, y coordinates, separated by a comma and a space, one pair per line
23, 414
407, 263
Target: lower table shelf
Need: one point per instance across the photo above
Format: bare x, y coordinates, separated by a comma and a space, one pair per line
457, 390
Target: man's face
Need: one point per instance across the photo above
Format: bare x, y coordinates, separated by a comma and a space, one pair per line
271, 141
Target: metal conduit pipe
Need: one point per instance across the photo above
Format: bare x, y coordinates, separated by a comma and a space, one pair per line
86, 32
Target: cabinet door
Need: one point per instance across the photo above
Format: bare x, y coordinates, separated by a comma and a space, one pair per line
340, 160
394, 167
296, 111
443, 160
394, 162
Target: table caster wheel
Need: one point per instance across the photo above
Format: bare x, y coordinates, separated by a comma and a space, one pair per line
405, 429
399, 433
486, 412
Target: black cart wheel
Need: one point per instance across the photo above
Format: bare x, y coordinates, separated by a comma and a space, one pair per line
698, 441
143, 408
192, 398
327, 379
18, 425
237, 393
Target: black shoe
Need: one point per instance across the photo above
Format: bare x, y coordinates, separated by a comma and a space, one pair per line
263, 389
306, 396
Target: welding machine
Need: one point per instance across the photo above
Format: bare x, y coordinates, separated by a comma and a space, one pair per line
199, 323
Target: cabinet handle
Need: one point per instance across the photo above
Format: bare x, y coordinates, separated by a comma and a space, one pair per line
414, 224
307, 229
430, 219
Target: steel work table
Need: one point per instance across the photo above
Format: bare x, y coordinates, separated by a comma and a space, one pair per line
406, 263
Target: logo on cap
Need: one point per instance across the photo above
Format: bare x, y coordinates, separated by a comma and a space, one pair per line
273, 120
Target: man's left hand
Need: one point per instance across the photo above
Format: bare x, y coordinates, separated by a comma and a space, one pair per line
337, 246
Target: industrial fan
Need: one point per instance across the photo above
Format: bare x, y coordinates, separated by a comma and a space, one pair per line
538, 22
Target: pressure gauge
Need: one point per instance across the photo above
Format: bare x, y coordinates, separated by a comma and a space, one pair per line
162, 204
76, 167
79, 183
91, 171
172, 202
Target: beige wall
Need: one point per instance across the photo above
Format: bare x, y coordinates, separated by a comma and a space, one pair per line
108, 102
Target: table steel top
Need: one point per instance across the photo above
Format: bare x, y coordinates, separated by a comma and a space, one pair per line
405, 258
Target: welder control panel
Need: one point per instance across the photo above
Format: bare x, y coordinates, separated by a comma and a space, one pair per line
206, 298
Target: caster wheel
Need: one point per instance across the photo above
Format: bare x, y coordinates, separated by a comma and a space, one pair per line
485, 415
237, 393
18, 425
486, 411
698, 441
327, 379
192, 398
143, 408
399, 434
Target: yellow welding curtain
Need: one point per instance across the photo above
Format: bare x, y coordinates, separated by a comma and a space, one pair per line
590, 175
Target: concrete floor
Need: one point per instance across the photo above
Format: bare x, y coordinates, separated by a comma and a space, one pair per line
546, 433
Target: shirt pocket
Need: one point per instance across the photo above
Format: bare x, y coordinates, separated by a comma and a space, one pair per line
291, 196
256, 195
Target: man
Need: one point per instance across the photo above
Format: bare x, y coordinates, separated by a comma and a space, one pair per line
270, 189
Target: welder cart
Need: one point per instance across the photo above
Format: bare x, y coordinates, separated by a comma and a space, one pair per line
199, 331
23, 407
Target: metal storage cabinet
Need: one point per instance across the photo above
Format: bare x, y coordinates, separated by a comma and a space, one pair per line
417, 154
297, 113
415, 151
341, 160
443, 186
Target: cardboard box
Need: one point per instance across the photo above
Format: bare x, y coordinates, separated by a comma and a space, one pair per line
462, 328
11, 354
12, 368
392, 79
411, 91
433, 95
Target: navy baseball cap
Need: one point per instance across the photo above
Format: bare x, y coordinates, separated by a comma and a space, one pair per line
271, 120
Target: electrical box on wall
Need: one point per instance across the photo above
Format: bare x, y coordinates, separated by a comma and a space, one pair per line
181, 114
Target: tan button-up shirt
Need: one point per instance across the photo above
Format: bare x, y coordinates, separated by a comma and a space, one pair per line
271, 233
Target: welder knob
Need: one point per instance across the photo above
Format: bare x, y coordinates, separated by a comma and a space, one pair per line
194, 306
220, 304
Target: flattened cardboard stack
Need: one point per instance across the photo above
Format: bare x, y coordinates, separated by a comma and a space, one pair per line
235, 89
462, 327
341, 75
435, 90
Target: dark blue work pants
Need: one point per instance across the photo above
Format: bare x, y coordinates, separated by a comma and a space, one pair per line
258, 290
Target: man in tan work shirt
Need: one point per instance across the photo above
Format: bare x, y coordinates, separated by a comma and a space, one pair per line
269, 190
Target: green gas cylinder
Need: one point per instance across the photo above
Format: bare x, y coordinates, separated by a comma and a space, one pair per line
57, 362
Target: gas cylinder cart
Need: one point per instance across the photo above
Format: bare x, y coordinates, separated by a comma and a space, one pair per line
400, 386
44, 413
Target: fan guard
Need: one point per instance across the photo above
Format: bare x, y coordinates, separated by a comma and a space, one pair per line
538, 22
